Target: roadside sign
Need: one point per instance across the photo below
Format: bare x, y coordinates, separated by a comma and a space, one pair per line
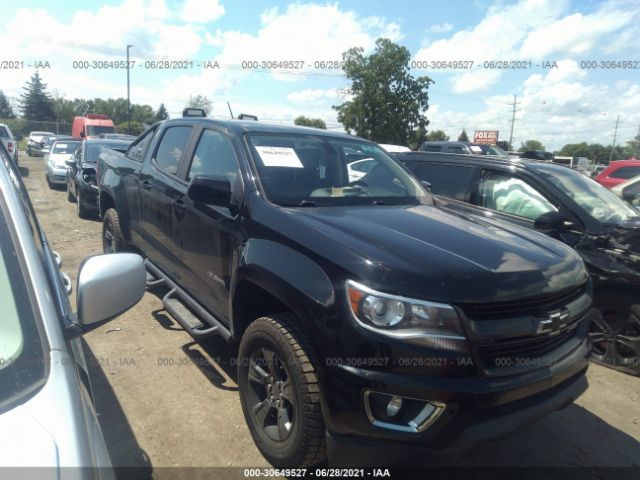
485, 136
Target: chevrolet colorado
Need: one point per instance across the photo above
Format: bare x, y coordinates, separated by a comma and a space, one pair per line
369, 321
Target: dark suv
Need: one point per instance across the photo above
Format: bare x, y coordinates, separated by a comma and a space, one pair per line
566, 205
365, 314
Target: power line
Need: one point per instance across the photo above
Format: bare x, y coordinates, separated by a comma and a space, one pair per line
615, 133
513, 119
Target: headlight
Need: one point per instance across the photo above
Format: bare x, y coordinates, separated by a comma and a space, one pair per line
431, 324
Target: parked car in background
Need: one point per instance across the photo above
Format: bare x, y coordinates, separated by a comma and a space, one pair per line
61, 152
9, 141
619, 171
629, 191
36, 142
450, 147
48, 141
369, 320
117, 136
462, 147
394, 148
538, 155
47, 414
568, 206
91, 125
597, 169
80, 176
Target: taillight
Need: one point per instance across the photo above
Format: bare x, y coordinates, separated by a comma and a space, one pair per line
10, 147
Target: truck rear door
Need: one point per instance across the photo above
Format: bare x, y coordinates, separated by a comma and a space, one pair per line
161, 195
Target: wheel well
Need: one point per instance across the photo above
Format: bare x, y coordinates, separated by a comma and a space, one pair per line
250, 302
106, 202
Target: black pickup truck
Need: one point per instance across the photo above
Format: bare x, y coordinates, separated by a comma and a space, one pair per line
369, 321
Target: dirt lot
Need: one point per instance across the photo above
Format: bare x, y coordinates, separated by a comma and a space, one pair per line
165, 400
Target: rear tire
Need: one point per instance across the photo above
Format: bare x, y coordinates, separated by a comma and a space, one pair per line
279, 392
112, 238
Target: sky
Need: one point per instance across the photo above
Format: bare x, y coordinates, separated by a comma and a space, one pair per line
571, 88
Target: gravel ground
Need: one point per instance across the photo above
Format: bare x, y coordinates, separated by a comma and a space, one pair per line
164, 400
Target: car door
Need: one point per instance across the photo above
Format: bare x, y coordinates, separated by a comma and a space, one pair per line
208, 235
162, 193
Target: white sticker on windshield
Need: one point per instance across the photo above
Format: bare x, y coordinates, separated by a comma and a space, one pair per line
279, 157
475, 148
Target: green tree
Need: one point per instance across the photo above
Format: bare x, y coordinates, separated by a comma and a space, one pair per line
35, 102
200, 101
310, 122
633, 147
463, 137
162, 113
531, 145
388, 104
136, 127
6, 111
437, 135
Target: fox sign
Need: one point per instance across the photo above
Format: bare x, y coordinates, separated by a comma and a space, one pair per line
485, 136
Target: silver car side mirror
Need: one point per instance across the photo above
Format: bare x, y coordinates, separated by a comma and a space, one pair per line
108, 285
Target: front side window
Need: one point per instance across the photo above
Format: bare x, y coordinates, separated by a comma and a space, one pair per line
431, 148
508, 194
172, 146
448, 180
306, 170
214, 155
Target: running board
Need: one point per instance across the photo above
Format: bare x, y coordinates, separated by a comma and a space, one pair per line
196, 321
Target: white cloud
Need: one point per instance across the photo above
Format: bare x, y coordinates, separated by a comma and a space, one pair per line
475, 80
316, 96
303, 32
201, 11
441, 28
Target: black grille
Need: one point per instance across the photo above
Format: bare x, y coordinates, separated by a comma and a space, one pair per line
490, 311
524, 353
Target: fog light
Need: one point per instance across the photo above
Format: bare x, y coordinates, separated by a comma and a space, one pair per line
394, 406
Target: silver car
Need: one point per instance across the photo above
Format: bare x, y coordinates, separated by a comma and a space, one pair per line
36, 142
47, 416
60, 153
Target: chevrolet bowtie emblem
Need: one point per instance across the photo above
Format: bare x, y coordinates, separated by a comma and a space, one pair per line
553, 322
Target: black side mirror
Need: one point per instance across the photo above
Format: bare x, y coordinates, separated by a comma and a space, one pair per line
426, 185
82, 135
629, 196
211, 190
553, 221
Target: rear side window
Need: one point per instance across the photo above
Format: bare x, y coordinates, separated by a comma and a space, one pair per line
3, 132
448, 180
214, 156
456, 149
625, 172
136, 151
169, 152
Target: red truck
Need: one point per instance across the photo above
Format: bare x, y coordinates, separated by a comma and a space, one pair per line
619, 171
91, 125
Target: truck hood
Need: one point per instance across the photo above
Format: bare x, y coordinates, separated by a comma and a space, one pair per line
431, 254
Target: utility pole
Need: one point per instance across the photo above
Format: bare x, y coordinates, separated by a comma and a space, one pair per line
615, 134
128, 94
513, 120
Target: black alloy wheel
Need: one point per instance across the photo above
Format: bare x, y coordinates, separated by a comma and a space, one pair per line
615, 340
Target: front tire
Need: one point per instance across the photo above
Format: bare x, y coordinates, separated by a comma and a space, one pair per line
615, 338
112, 238
279, 392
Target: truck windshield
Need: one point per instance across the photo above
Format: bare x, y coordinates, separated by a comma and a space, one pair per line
595, 199
95, 130
310, 170
22, 363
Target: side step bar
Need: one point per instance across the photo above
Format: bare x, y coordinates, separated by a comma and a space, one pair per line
196, 321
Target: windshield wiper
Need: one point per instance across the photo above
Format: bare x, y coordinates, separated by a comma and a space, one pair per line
307, 203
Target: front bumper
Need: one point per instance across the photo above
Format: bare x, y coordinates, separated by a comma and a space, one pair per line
57, 175
478, 407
